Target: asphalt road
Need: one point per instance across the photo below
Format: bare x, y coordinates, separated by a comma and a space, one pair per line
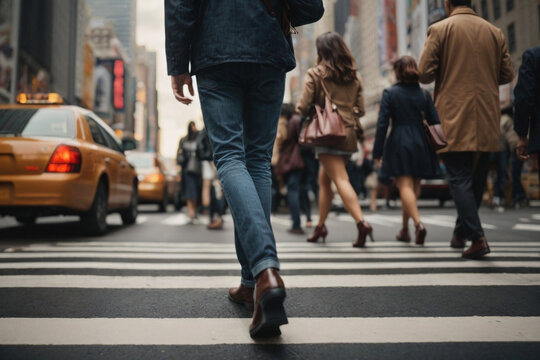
158, 290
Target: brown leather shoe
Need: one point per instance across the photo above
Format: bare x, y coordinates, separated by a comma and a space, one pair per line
269, 313
457, 243
403, 235
242, 295
215, 225
479, 248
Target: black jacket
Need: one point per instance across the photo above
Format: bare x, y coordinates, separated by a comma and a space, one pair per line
527, 99
213, 32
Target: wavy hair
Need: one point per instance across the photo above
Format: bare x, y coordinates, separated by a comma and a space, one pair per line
335, 56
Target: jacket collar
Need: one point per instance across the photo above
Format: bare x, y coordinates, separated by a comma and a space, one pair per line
463, 10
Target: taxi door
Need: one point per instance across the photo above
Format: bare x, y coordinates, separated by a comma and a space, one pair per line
105, 157
124, 185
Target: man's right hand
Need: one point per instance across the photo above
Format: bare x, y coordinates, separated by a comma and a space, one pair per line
177, 84
521, 148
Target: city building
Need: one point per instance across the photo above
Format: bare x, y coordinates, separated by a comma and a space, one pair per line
109, 74
123, 17
518, 19
146, 111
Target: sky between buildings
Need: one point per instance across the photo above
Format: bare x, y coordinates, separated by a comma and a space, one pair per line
173, 116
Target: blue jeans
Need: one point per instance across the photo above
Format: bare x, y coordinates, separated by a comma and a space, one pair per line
292, 180
241, 103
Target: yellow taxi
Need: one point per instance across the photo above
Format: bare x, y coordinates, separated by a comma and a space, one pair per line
62, 160
154, 185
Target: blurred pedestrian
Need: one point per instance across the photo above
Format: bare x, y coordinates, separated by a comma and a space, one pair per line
336, 72
290, 165
508, 143
187, 158
407, 155
240, 54
468, 59
204, 154
527, 105
218, 204
278, 184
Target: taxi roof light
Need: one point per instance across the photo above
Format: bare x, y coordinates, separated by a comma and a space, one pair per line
40, 98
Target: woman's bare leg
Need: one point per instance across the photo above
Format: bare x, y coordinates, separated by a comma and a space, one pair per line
406, 185
325, 196
334, 166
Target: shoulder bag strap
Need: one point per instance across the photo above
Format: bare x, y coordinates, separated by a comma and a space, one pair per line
327, 94
269, 7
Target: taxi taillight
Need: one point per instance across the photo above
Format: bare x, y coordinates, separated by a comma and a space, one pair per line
66, 159
153, 178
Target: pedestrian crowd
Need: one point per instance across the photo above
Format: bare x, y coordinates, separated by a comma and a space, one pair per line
240, 54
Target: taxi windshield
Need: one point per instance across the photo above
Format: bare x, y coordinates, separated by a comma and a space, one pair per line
37, 123
141, 161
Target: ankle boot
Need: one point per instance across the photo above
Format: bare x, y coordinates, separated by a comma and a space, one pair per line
403, 235
364, 230
420, 234
320, 231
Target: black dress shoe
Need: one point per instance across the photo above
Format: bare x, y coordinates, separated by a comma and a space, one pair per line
298, 231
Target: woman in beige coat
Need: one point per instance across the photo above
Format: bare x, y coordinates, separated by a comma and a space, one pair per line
336, 70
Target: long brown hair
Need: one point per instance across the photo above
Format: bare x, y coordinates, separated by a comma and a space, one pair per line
335, 56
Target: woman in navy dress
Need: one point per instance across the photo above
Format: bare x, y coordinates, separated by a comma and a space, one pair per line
407, 156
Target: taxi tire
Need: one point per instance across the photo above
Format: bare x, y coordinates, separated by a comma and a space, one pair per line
26, 220
129, 215
94, 222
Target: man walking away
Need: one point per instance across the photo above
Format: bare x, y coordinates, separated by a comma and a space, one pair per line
527, 105
468, 59
240, 51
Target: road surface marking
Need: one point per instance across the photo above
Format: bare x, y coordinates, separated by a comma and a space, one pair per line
458, 263
292, 281
444, 244
527, 227
232, 256
204, 331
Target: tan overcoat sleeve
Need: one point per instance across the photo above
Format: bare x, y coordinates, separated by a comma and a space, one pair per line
307, 99
430, 59
506, 74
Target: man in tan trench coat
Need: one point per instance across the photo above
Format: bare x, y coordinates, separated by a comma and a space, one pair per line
468, 59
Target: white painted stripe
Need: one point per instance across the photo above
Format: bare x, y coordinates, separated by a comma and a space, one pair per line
283, 244
535, 216
284, 266
291, 281
202, 331
230, 250
232, 256
527, 227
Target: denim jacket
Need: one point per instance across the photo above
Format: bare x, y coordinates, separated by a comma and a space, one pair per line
213, 32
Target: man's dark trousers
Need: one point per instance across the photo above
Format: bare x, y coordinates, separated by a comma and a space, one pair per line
467, 174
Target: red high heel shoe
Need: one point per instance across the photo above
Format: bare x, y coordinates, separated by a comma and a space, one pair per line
364, 230
320, 231
420, 234
403, 235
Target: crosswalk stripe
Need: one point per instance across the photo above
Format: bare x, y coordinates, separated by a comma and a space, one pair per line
232, 256
292, 281
205, 331
527, 227
281, 244
230, 250
284, 266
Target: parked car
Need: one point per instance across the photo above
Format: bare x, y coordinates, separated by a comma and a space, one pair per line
62, 160
155, 186
174, 179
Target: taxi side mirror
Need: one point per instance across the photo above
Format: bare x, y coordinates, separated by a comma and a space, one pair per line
129, 144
